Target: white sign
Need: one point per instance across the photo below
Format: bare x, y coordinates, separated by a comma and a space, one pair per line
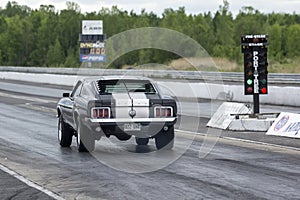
99, 45
255, 64
92, 27
223, 116
287, 125
255, 36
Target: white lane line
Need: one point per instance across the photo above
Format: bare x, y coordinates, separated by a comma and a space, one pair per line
30, 183
26, 98
243, 140
262, 143
37, 107
190, 132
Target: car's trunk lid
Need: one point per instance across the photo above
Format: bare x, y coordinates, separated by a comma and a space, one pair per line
126, 102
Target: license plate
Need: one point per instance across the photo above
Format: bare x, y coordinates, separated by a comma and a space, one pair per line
132, 127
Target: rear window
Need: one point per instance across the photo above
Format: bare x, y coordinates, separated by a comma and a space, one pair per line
124, 86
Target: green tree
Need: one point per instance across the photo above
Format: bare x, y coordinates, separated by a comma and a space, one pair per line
13, 9
275, 48
69, 26
3, 28
176, 20
293, 41
55, 55
223, 29
71, 60
45, 37
13, 38
202, 31
249, 21
45, 33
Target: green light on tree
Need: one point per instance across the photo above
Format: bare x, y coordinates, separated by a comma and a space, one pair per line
249, 81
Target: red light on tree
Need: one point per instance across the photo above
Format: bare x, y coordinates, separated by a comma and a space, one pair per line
264, 90
255, 40
249, 90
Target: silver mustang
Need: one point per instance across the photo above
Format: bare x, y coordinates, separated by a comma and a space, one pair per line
119, 106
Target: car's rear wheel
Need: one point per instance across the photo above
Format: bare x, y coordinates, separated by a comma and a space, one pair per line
65, 133
123, 136
85, 140
142, 141
165, 139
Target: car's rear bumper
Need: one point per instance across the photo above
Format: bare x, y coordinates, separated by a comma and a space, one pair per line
132, 120
149, 127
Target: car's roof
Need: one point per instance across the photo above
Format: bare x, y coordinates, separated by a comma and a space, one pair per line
96, 78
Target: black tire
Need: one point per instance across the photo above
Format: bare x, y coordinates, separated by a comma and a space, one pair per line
85, 140
165, 139
123, 136
65, 133
142, 141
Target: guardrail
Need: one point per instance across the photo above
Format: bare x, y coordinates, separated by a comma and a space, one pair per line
234, 77
205, 85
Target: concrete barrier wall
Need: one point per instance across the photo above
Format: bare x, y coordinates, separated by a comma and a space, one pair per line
56, 79
288, 96
92, 72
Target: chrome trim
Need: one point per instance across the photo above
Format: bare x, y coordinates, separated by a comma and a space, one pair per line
129, 120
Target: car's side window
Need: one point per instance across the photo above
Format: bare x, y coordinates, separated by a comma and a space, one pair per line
86, 90
77, 90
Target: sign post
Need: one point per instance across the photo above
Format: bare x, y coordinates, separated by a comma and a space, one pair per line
254, 48
256, 103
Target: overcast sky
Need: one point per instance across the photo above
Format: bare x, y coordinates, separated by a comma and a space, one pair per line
158, 6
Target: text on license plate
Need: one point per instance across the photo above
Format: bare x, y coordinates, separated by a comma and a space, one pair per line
132, 127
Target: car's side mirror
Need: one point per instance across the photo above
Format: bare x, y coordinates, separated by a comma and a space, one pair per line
66, 94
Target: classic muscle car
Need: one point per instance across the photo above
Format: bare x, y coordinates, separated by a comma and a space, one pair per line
118, 106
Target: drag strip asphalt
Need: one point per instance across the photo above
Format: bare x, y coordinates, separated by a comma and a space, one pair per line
236, 165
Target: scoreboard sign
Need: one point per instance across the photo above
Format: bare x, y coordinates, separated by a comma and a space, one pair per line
92, 42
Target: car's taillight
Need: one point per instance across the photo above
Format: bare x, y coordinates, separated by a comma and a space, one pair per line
101, 112
163, 111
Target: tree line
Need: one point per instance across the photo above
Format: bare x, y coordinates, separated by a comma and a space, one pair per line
46, 37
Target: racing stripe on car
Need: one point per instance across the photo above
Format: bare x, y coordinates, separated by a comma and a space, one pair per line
123, 105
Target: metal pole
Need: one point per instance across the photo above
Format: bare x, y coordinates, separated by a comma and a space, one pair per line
256, 103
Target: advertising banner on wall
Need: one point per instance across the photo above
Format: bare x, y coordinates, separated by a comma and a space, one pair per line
286, 125
92, 58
